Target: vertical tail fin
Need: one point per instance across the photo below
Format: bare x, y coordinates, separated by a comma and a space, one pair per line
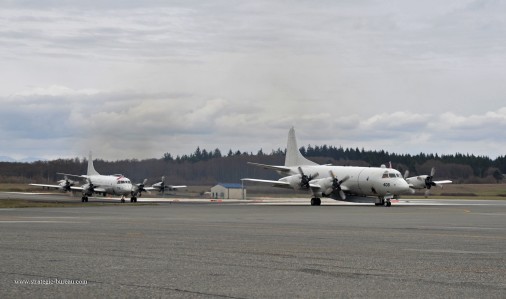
91, 169
293, 156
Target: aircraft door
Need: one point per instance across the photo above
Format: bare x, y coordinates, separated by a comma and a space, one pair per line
366, 182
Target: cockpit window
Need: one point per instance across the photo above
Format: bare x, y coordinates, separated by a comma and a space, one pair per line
387, 175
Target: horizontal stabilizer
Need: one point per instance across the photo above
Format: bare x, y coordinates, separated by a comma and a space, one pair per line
272, 167
72, 175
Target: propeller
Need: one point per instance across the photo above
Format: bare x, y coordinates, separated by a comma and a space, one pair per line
406, 174
66, 184
336, 184
89, 188
304, 179
162, 184
428, 180
138, 189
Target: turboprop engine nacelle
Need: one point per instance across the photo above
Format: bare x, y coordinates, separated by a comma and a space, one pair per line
88, 189
293, 180
325, 185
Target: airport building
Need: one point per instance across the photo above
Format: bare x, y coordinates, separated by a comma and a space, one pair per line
228, 191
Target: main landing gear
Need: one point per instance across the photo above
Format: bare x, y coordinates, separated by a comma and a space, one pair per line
315, 201
132, 199
383, 202
84, 199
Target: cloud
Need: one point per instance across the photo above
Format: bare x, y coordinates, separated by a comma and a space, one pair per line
160, 76
119, 125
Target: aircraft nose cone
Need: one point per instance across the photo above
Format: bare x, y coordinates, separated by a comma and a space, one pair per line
403, 187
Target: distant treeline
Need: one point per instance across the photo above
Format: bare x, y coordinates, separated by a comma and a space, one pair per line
206, 167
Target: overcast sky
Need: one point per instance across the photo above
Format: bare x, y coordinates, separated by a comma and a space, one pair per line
136, 79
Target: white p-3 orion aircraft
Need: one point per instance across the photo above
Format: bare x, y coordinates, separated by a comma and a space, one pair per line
336, 182
116, 184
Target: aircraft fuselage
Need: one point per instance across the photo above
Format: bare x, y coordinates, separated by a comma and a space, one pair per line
112, 184
367, 181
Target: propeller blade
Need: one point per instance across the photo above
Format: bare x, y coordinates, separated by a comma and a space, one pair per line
344, 180
406, 174
432, 172
312, 177
162, 186
341, 193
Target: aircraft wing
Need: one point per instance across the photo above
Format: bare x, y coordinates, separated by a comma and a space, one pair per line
315, 187
279, 184
73, 188
272, 167
95, 190
440, 183
169, 187
47, 186
177, 187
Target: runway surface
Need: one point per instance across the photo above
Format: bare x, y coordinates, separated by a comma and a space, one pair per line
190, 249
66, 198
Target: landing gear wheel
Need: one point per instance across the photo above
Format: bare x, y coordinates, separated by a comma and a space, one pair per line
133, 199
315, 201
84, 199
122, 199
388, 203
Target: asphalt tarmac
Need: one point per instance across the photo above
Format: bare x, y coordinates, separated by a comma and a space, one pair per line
255, 250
